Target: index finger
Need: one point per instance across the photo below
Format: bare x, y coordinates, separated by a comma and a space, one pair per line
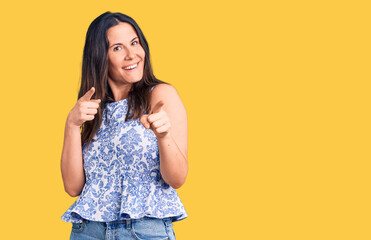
88, 94
157, 107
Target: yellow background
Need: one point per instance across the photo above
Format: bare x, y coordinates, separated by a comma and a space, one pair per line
278, 101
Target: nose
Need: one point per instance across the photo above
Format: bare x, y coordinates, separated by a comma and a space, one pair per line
130, 54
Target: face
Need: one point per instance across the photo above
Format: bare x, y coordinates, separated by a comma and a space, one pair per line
124, 50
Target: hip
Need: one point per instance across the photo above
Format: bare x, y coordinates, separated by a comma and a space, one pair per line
138, 229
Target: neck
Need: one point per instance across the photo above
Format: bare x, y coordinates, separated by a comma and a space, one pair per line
119, 91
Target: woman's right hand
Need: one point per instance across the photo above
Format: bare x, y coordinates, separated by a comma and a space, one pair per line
84, 110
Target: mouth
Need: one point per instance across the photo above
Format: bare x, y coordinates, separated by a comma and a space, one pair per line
131, 67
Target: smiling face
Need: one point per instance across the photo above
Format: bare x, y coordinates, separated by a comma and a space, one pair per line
125, 55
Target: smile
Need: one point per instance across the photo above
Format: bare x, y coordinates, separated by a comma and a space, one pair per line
131, 66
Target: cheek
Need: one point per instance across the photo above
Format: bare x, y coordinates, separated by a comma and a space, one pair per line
113, 64
112, 69
142, 53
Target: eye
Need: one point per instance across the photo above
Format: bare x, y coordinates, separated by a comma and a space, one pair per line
114, 49
135, 42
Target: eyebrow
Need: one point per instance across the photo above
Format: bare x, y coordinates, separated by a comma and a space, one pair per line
121, 43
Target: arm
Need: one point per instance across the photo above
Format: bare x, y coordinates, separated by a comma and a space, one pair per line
71, 162
173, 163
72, 166
171, 129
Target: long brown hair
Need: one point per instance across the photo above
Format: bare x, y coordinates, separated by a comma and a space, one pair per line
95, 73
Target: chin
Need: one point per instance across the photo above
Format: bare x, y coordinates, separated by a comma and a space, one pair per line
137, 80
134, 80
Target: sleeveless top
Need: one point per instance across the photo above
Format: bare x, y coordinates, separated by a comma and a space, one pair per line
122, 170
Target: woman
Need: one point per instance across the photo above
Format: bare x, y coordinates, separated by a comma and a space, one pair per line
132, 150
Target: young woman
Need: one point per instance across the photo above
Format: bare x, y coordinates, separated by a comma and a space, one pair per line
126, 139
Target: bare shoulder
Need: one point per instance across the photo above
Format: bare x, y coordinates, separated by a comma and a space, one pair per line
175, 110
172, 104
164, 90
167, 94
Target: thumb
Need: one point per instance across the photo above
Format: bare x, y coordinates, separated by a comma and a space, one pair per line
88, 94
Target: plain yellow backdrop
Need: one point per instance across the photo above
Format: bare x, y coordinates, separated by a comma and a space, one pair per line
278, 101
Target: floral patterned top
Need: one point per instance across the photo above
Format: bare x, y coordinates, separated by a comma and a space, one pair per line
122, 169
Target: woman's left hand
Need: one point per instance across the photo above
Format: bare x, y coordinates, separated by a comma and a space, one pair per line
158, 121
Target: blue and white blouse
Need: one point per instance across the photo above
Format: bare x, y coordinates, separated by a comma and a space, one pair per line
122, 169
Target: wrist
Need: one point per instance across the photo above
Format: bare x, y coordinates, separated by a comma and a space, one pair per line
70, 124
164, 137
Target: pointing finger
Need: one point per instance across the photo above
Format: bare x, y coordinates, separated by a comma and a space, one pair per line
88, 94
157, 107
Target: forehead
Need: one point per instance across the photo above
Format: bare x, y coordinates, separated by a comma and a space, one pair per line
121, 32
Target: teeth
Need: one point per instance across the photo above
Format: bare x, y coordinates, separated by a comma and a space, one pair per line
132, 66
